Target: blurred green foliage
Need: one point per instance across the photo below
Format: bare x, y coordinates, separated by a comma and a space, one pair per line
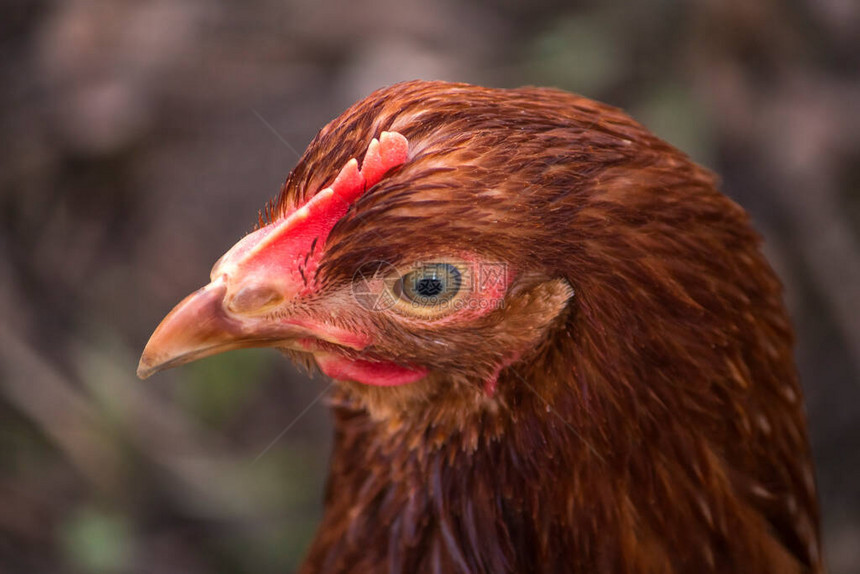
578, 52
97, 541
216, 388
676, 115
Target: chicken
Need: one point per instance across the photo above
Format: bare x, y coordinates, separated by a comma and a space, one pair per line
557, 347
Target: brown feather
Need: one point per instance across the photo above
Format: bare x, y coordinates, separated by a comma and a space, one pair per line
654, 423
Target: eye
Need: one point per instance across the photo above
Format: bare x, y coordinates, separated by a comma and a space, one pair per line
429, 285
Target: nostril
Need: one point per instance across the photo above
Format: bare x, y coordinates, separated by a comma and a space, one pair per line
254, 299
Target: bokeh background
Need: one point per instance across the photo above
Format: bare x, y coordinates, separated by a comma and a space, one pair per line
139, 139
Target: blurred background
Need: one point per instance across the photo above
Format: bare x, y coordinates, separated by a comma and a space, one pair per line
139, 139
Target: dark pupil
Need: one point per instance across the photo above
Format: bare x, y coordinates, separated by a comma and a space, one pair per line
429, 287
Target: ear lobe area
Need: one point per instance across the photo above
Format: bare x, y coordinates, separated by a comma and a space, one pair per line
532, 313
547, 301
528, 319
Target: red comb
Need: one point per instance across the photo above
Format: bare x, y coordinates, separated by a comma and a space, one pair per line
292, 245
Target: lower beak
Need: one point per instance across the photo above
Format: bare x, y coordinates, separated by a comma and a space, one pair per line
199, 327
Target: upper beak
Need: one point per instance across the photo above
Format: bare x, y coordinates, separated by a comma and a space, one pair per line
199, 327
261, 273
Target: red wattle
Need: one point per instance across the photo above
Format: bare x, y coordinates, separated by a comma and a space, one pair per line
380, 374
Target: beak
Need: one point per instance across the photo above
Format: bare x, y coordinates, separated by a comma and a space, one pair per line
258, 274
200, 326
